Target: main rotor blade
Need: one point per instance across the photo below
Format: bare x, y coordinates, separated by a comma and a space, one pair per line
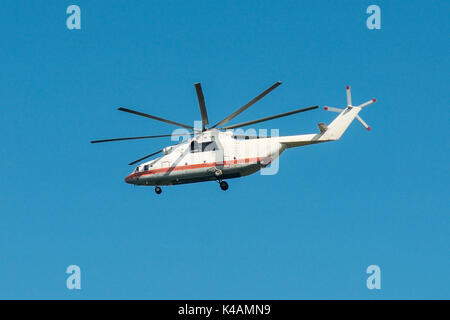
201, 103
243, 108
270, 118
155, 118
143, 137
143, 158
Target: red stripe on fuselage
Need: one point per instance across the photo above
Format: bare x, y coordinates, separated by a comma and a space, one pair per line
193, 166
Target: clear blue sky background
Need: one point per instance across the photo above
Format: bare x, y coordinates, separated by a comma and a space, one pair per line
378, 197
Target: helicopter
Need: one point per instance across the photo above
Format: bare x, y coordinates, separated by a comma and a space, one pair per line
217, 153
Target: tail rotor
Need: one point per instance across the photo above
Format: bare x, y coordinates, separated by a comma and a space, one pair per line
350, 106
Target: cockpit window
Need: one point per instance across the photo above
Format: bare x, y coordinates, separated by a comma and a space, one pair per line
137, 169
194, 147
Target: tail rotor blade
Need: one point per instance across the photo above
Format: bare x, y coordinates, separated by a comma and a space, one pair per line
349, 96
365, 104
333, 109
365, 125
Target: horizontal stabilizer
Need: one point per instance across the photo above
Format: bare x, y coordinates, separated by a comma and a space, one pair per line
322, 127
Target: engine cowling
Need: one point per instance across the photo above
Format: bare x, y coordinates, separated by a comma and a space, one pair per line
167, 150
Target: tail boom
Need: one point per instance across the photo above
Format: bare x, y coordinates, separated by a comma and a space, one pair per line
334, 131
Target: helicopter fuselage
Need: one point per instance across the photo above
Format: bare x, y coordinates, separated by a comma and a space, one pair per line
212, 155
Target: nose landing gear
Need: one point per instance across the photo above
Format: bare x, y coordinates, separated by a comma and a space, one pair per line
158, 190
223, 185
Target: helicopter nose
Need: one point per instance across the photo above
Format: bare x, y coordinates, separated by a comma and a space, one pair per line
129, 179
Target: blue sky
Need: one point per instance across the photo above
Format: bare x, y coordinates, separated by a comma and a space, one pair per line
310, 231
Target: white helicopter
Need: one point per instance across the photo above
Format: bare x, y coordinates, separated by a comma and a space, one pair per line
217, 153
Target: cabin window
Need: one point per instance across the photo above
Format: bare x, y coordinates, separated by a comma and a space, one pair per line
209, 146
203, 147
145, 167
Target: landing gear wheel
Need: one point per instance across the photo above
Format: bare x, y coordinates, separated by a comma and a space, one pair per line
158, 190
223, 185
